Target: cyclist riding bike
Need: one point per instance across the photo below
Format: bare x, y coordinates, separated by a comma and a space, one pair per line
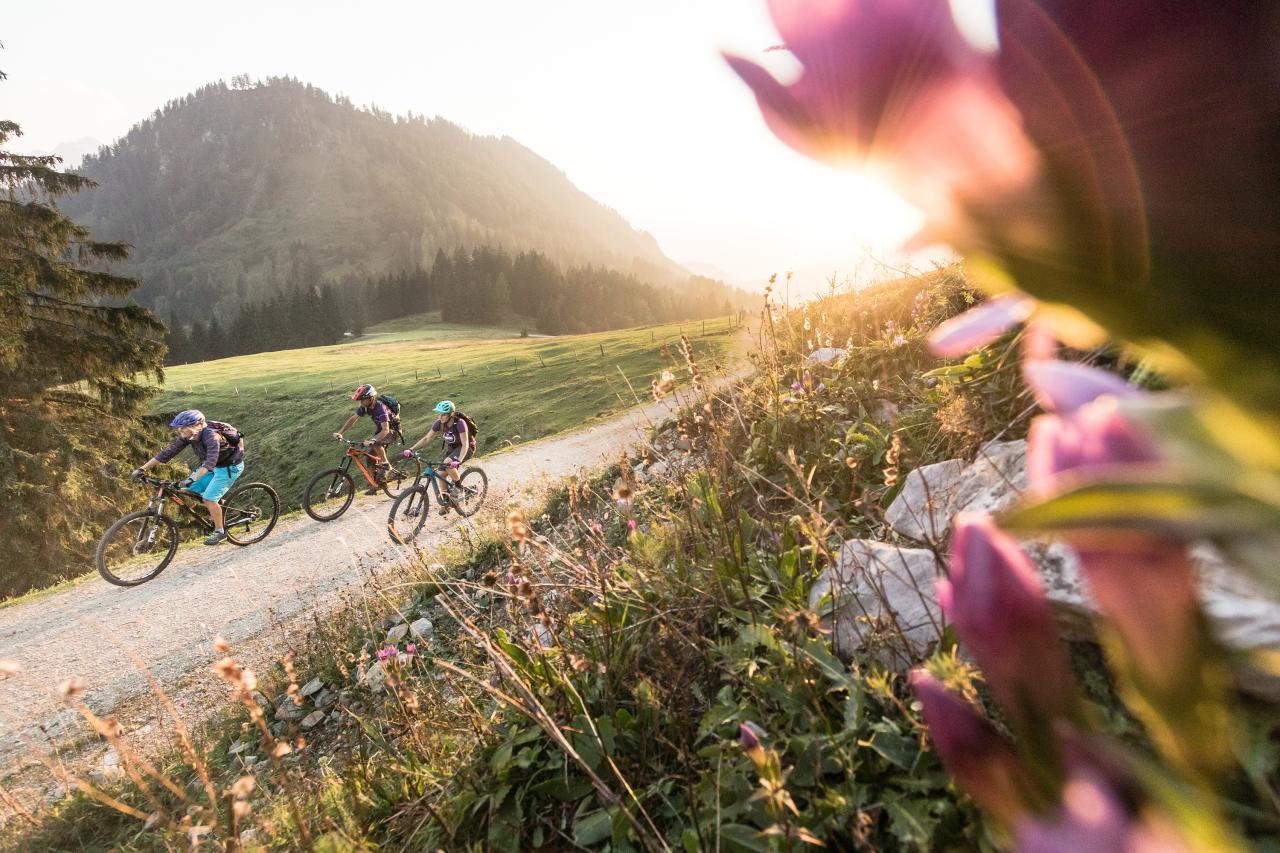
459, 441
220, 449
385, 426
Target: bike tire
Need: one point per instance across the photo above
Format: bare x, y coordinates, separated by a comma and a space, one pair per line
326, 480
408, 514
472, 478
403, 475
101, 556
265, 497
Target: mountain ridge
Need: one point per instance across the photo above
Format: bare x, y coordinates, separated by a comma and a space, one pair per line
232, 193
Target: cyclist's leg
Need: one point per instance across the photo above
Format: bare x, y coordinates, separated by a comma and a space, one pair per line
219, 483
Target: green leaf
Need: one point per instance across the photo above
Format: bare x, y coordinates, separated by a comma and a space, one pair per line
593, 828
1183, 509
895, 748
911, 821
737, 836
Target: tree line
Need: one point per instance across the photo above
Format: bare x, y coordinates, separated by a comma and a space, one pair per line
483, 286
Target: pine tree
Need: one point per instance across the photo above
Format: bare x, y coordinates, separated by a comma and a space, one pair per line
71, 352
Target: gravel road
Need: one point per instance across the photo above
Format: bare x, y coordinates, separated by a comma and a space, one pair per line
93, 631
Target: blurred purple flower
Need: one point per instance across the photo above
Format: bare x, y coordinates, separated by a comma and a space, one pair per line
979, 758
899, 340
385, 653
1064, 386
1095, 441
631, 525
747, 736
411, 648
994, 598
796, 386
1090, 816
980, 325
894, 82
822, 386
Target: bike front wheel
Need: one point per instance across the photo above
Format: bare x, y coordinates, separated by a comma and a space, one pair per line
329, 494
401, 475
136, 548
409, 513
249, 513
473, 485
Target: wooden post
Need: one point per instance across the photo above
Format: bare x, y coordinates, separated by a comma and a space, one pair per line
704, 327
601, 349
540, 361
415, 376
438, 373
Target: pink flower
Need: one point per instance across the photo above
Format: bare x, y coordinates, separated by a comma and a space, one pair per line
994, 598
747, 736
631, 525
980, 759
980, 325
1096, 441
1064, 386
894, 82
411, 648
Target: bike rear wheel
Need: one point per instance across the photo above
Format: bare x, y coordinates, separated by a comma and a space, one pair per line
136, 548
473, 485
249, 513
402, 474
328, 494
409, 513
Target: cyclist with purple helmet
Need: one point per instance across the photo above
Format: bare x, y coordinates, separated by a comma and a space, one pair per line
220, 449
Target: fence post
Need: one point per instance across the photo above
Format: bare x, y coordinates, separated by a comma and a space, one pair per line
601, 348
540, 361
704, 327
415, 376
438, 373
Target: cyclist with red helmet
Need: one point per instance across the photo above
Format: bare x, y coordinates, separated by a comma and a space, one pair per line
220, 449
384, 426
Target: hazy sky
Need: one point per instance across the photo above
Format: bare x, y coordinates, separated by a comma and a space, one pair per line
631, 100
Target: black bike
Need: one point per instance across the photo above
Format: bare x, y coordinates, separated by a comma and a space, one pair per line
330, 492
410, 510
138, 547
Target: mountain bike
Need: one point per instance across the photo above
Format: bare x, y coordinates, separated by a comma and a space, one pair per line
138, 546
410, 510
329, 493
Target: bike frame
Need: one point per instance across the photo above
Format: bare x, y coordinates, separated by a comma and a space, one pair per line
156, 506
353, 454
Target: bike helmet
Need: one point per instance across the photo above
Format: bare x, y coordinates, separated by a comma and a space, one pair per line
365, 390
444, 407
190, 417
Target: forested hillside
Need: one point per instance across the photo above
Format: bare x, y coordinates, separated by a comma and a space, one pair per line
238, 192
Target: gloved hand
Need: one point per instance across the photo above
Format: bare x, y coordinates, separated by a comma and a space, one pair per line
368, 442
138, 474
185, 484
337, 436
407, 454
454, 463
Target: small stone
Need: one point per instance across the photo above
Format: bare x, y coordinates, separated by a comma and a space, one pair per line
397, 633
109, 765
422, 630
237, 747
375, 677
825, 355
657, 469
310, 721
683, 443
259, 699
312, 686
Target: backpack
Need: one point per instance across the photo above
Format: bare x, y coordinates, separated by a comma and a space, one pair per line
471, 430
391, 403
227, 431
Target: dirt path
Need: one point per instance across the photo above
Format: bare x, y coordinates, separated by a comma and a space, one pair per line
99, 633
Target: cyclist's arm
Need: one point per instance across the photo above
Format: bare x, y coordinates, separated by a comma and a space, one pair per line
175, 447
348, 425
385, 433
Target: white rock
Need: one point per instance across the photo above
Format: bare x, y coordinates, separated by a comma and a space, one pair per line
422, 630
657, 469
881, 597
922, 510
310, 721
109, 765
312, 686
375, 677
397, 633
825, 355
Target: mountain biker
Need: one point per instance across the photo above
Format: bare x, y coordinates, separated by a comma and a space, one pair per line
459, 443
384, 427
220, 449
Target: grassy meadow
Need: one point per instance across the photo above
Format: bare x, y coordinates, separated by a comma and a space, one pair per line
517, 389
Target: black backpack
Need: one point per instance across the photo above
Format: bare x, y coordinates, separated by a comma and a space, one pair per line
471, 430
391, 403
227, 431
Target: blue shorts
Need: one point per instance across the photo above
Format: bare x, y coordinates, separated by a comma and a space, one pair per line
213, 486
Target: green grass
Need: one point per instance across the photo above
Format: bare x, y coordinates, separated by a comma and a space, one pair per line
429, 327
288, 403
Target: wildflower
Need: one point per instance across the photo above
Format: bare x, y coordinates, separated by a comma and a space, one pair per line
411, 648
1095, 441
749, 735
220, 645
980, 325
796, 386
386, 652
899, 340
1063, 386
516, 525
631, 525
994, 598
243, 787
980, 759
71, 688
490, 579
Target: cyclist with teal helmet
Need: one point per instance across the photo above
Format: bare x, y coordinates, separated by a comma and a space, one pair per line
220, 449
459, 443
